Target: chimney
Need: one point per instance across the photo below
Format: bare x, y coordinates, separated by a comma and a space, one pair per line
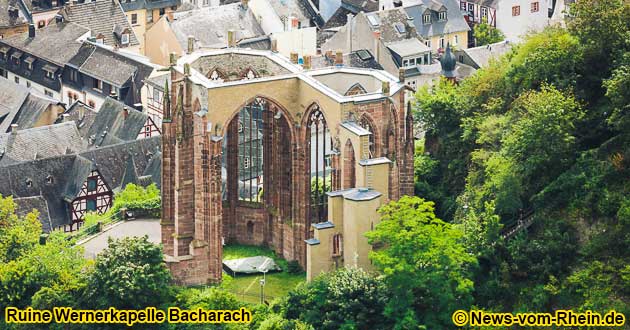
64, 117
81, 112
339, 58
274, 45
328, 54
113, 95
125, 113
307, 62
191, 45
231, 39
377, 44
244, 4
294, 57
14, 128
349, 32
385, 87
31, 31
401, 74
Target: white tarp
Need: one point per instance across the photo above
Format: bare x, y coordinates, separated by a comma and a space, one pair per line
251, 265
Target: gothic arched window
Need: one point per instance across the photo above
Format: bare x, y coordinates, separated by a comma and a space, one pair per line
320, 146
365, 123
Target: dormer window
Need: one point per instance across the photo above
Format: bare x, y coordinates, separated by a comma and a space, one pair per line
16, 57
50, 71
29, 183
442, 16
50, 179
426, 19
400, 27
29, 63
124, 39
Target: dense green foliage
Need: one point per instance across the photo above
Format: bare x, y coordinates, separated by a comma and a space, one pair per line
485, 34
424, 262
129, 274
32, 274
345, 299
544, 131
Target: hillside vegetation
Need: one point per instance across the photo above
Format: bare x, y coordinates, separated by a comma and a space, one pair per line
545, 130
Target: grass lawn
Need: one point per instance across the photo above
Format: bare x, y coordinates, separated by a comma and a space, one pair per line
247, 287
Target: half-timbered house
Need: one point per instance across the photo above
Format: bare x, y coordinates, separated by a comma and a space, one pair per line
63, 188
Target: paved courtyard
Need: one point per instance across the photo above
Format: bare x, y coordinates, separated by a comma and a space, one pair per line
138, 227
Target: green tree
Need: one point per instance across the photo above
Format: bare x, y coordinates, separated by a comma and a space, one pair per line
129, 274
425, 264
485, 34
344, 299
30, 271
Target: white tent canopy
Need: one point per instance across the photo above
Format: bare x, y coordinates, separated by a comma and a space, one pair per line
251, 265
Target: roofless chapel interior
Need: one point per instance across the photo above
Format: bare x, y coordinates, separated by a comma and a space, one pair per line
259, 150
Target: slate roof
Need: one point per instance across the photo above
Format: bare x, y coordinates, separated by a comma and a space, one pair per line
49, 184
209, 26
482, 55
82, 115
455, 21
356, 6
260, 43
110, 126
339, 18
148, 4
106, 65
40, 142
12, 96
387, 20
289, 8
101, 17
56, 42
357, 59
19, 105
26, 205
6, 21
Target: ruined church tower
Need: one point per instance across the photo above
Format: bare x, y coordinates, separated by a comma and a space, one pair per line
191, 210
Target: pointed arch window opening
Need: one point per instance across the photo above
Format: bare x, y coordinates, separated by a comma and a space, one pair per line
365, 123
250, 156
320, 148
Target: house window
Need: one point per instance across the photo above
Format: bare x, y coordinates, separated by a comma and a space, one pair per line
50, 75
336, 246
41, 24
98, 84
405, 63
48, 93
442, 42
484, 13
149, 16
124, 39
471, 9
28, 84
442, 16
91, 205
428, 43
426, 19
16, 79
462, 5
73, 75
455, 40
134, 19
535, 6
91, 184
516, 10
162, 11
